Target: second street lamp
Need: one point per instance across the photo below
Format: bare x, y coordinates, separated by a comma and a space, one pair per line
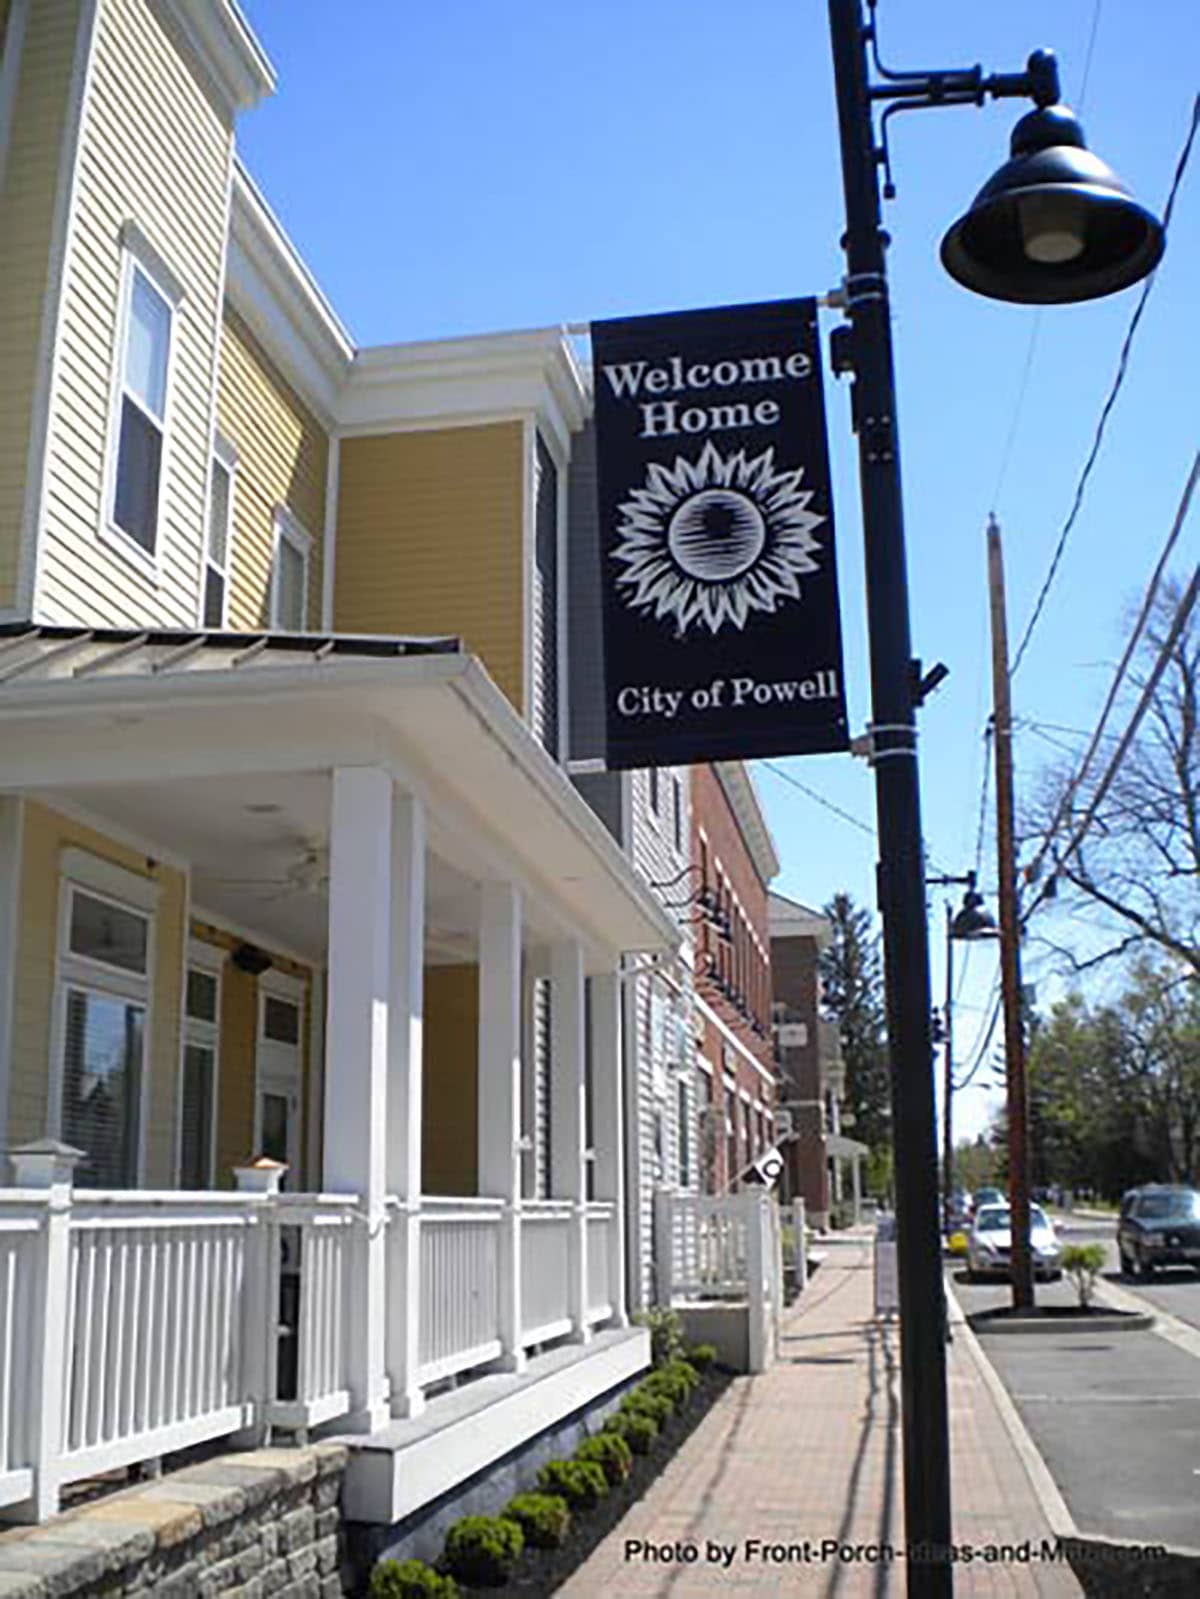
1044, 265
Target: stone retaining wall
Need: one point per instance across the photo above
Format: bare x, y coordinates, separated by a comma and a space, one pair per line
251, 1525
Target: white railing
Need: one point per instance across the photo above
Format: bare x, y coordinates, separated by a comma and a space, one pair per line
600, 1221
545, 1269
311, 1242
460, 1281
154, 1326
20, 1251
725, 1248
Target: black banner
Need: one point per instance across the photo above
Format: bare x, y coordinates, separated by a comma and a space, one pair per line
722, 637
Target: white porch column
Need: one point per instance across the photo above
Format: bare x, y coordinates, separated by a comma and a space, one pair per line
356, 1058
856, 1186
499, 1094
406, 1010
568, 1115
608, 1117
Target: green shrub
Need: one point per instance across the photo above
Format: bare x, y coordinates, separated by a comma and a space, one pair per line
581, 1483
675, 1381
483, 1550
410, 1579
666, 1333
543, 1518
701, 1356
611, 1453
646, 1402
638, 1430
1081, 1262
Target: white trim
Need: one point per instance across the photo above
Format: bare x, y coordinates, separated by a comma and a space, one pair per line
282, 985
137, 256
742, 797
224, 48
316, 1078
205, 957
333, 471
219, 441
12, 840
732, 1038
10, 75
96, 875
46, 383
562, 601
287, 528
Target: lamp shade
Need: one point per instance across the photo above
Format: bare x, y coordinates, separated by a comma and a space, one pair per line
1054, 225
972, 920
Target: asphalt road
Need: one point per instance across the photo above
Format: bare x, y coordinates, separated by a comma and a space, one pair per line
1116, 1417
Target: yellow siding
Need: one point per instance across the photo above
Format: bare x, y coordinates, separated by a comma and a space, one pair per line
26, 218
450, 1139
46, 834
155, 151
283, 455
429, 540
238, 1045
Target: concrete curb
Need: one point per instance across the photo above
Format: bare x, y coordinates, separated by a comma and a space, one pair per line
1180, 1333
1121, 1321
1062, 1524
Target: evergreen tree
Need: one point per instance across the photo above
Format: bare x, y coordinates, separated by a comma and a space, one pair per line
852, 997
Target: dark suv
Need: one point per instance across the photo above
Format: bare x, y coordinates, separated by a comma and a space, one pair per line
1159, 1226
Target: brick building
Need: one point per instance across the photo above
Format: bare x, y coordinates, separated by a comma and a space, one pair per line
734, 859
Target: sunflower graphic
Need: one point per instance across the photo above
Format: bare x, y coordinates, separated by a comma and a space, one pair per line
710, 541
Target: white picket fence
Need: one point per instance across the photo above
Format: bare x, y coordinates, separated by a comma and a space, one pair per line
134, 1324
724, 1248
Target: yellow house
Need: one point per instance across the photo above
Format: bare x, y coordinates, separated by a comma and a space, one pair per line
289, 868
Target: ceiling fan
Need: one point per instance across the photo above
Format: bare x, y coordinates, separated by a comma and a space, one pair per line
307, 873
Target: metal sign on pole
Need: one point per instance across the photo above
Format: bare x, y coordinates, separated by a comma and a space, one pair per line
722, 636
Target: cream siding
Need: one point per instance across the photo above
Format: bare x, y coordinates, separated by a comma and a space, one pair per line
429, 540
27, 199
156, 152
283, 457
45, 834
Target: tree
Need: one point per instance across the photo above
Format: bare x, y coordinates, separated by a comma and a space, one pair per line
1136, 870
852, 997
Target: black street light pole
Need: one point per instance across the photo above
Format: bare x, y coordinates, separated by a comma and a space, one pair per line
1052, 225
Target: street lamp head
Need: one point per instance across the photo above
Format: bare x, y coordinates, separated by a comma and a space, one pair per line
972, 920
1054, 225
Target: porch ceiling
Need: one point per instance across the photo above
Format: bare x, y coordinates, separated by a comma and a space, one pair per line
228, 769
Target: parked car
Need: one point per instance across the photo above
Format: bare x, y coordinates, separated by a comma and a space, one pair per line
1159, 1225
989, 1196
989, 1248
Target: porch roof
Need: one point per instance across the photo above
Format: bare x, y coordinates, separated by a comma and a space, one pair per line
93, 711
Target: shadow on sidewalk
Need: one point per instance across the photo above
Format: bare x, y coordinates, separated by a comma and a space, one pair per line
878, 1336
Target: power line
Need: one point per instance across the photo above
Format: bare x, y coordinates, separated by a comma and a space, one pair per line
981, 1048
1110, 402
1072, 787
1178, 623
983, 798
855, 821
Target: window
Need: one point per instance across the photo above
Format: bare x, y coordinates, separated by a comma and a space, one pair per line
198, 1094
103, 994
140, 419
289, 574
218, 536
655, 797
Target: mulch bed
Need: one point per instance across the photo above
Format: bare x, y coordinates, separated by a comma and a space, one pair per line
542, 1571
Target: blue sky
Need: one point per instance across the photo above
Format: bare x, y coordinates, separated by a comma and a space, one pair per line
474, 167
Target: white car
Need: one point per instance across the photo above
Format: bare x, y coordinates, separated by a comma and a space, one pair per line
989, 1247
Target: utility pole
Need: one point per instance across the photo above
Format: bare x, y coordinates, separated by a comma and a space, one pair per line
948, 1083
1010, 936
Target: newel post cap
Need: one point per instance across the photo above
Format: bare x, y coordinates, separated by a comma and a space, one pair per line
261, 1176
45, 1163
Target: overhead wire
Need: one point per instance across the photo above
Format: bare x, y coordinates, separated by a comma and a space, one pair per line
819, 799
1107, 408
1098, 733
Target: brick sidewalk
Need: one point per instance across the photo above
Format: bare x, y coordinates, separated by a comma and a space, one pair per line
812, 1450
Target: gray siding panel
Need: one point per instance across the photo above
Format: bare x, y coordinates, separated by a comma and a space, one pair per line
584, 619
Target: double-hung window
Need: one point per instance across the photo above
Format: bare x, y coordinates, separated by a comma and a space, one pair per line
201, 1044
146, 331
218, 535
103, 997
289, 574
